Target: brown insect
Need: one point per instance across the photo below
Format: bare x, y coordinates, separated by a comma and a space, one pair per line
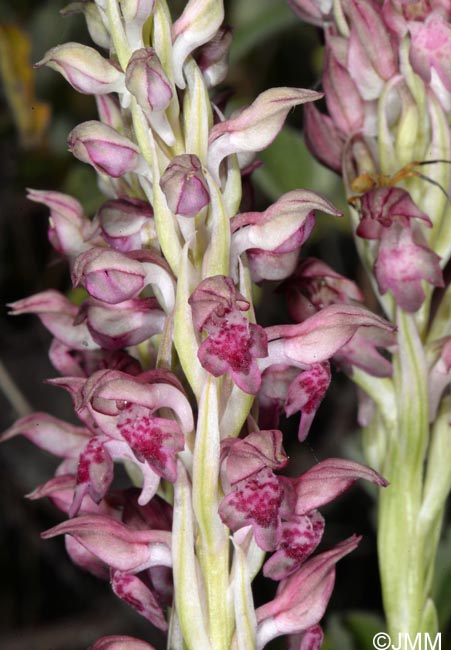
366, 182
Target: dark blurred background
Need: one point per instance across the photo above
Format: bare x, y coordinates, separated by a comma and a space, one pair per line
45, 602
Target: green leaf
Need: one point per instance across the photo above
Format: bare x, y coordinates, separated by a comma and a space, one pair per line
364, 626
257, 22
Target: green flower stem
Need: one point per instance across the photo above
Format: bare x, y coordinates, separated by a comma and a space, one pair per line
401, 551
212, 543
117, 32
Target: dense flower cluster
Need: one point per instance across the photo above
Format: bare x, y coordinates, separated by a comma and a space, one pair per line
163, 358
387, 89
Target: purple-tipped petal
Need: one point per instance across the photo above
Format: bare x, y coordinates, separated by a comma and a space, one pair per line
84, 68
327, 480
320, 336
256, 126
115, 544
51, 434
301, 599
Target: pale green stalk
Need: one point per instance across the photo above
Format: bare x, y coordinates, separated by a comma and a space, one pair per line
401, 555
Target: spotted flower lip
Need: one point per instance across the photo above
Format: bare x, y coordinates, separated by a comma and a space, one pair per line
305, 394
242, 458
233, 343
256, 501
300, 537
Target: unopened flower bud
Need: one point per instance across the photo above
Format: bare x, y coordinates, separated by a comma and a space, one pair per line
343, 100
84, 68
147, 81
212, 59
184, 186
104, 148
322, 138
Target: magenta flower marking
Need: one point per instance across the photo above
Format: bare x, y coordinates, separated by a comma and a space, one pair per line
94, 474
243, 458
300, 537
233, 343
382, 207
306, 393
134, 592
255, 501
155, 440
